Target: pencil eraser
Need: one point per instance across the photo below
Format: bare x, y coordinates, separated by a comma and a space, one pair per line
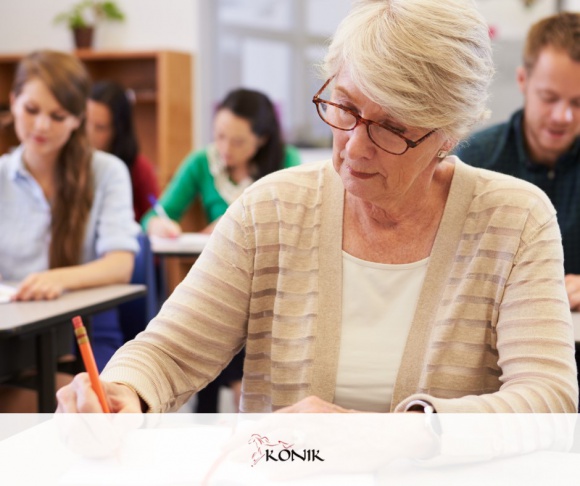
77, 322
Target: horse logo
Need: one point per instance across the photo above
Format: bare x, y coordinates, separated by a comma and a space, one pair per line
261, 442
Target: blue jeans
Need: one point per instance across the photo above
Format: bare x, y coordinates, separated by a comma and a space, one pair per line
106, 336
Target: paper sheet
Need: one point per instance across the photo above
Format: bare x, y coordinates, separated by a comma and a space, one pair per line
6, 292
153, 457
180, 456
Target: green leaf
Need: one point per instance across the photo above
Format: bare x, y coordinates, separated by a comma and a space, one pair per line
87, 12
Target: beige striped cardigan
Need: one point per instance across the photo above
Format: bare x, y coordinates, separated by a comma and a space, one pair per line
492, 331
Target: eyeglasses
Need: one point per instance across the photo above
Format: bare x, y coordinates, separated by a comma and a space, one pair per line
383, 136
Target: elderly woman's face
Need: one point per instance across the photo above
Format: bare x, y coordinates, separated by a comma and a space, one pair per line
366, 170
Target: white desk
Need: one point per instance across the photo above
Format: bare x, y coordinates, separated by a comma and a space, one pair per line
188, 244
41, 319
182, 448
576, 323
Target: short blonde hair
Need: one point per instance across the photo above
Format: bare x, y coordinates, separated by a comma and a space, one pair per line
427, 63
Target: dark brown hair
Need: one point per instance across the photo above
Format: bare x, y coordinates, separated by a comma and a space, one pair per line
124, 141
258, 110
560, 31
68, 80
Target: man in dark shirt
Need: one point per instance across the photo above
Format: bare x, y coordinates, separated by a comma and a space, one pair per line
541, 143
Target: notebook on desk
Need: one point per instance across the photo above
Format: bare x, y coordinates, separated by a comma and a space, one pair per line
186, 243
6, 293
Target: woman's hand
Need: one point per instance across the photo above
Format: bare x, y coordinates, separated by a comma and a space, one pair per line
46, 285
573, 291
313, 404
114, 267
162, 227
84, 428
79, 397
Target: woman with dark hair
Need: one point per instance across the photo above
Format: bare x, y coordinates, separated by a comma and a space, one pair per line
247, 146
110, 129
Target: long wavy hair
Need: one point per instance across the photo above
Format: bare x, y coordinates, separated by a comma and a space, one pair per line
69, 82
256, 108
124, 142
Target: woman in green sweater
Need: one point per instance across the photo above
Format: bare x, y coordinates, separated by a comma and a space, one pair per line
247, 145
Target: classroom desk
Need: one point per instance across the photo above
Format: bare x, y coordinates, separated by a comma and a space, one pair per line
41, 320
187, 245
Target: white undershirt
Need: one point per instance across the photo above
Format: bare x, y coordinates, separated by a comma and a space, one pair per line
378, 305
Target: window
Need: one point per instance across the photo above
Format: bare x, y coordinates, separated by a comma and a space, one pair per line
273, 46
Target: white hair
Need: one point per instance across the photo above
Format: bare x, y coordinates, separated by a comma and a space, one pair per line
428, 63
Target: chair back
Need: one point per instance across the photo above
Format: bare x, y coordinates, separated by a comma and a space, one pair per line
136, 314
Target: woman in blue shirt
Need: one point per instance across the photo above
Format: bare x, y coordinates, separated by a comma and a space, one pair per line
66, 217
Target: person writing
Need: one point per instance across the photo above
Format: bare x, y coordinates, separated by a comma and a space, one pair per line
540, 142
110, 129
247, 145
391, 278
66, 220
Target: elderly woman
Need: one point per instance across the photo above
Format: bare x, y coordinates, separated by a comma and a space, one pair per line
392, 278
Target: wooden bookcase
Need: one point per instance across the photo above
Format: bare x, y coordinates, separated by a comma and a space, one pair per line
162, 83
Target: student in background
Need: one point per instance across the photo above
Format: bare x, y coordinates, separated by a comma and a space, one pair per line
110, 128
66, 220
247, 145
540, 143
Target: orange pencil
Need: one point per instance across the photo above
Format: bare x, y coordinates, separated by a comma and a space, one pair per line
89, 361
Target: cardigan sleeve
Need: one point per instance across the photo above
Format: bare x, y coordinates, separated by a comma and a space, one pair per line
535, 341
200, 327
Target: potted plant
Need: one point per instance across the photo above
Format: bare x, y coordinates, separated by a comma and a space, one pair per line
83, 16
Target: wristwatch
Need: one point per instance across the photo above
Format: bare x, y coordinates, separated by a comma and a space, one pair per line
420, 406
431, 419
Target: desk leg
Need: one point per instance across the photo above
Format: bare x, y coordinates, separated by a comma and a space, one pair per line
163, 280
46, 365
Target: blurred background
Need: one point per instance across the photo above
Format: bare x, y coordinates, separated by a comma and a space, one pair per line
270, 45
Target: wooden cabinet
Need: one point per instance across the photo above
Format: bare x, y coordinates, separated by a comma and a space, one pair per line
162, 83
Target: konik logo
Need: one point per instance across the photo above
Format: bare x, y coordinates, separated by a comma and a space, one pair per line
280, 451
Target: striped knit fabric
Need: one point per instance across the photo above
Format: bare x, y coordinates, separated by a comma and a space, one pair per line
492, 331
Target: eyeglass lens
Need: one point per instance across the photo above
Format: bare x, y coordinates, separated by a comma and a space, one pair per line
344, 120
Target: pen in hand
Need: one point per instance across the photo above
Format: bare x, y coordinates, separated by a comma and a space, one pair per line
89, 361
157, 207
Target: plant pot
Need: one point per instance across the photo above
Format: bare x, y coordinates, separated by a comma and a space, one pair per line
83, 37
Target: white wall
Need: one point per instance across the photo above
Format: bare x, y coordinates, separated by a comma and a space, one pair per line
26, 25
510, 19
181, 25
149, 24
511, 22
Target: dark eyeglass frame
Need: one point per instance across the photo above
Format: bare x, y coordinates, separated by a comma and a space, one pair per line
359, 119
